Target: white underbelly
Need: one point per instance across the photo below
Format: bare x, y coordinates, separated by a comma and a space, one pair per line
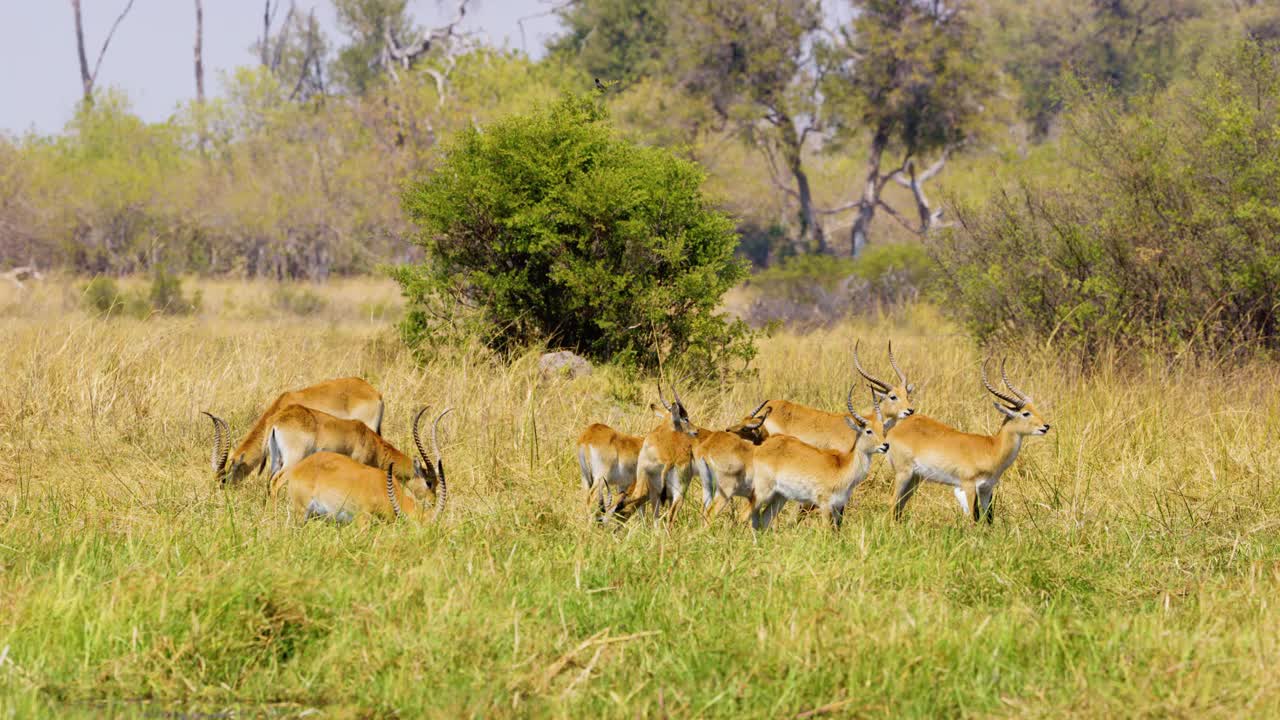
936, 474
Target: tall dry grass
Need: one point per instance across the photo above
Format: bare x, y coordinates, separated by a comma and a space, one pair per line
1132, 569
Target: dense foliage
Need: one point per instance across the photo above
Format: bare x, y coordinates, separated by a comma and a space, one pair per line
1167, 236
554, 229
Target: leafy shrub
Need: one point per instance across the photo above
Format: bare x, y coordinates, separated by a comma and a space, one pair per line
551, 228
166, 295
822, 289
1170, 239
299, 301
102, 296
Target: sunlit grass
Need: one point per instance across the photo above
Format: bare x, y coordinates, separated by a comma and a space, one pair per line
1132, 570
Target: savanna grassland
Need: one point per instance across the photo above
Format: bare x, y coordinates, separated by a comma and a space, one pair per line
1132, 570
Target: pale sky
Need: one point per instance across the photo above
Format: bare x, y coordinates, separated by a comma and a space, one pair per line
150, 57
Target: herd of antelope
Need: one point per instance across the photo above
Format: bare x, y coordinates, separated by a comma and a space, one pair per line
784, 451
324, 447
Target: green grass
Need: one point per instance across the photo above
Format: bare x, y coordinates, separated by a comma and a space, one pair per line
1132, 569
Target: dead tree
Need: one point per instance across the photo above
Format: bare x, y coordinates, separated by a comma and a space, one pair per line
199, 52
87, 78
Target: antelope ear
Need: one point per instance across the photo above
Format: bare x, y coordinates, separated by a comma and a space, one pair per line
911, 387
876, 395
853, 423
1005, 411
657, 411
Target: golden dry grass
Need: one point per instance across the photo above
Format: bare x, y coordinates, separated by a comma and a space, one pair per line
1132, 569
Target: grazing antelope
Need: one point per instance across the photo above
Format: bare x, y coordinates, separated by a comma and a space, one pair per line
830, 431
723, 460
298, 432
335, 487
924, 449
786, 468
350, 398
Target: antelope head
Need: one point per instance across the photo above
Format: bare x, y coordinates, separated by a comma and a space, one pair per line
752, 428
895, 399
869, 441
225, 469
679, 416
1020, 415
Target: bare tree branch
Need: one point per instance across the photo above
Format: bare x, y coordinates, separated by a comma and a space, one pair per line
110, 34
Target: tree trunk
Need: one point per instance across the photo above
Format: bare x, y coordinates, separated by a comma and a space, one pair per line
811, 237
86, 79
870, 194
809, 225
199, 52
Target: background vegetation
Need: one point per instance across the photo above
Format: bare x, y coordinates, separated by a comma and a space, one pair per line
1071, 181
1131, 570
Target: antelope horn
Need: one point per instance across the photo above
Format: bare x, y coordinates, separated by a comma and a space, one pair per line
217, 441
759, 422
857, 363
663, 398
759, 408
442, 489
391, 491
417, 438
902, 377
1016, 404
676, 391
1003, 376
848, 401
875, 405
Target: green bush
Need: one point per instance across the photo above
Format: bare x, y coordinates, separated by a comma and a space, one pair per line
551, 228
102, 296
299, 301
166, 295
1169, 239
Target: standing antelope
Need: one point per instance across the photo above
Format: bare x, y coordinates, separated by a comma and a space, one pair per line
723, 462
925, 449
350, 398
607, 458
785, 468
333, 486
665, 462
831, 431
298, 432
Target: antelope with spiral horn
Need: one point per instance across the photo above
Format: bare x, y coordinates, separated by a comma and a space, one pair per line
349, 398
299, 432
830, 431
335, 487
922, 448
785, 468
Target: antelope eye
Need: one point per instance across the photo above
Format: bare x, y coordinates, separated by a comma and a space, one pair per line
1026, 413
867, 432
893, 397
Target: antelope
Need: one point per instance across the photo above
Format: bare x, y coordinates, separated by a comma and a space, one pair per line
831, 431
925, 449
607, 458
350, 398
298, 432
786, 468
665, 462
333, 486
723, 459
